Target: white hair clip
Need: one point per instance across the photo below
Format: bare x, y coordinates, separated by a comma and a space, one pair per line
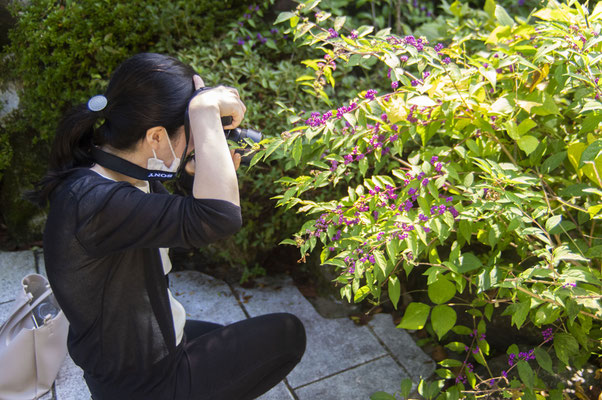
97, 103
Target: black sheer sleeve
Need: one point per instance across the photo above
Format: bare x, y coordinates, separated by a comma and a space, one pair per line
117, 216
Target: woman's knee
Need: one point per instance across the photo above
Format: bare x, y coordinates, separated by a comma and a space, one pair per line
294, 332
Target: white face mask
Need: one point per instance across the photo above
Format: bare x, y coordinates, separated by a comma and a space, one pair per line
159, 165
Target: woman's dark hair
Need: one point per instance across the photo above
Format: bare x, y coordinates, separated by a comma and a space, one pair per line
146, 90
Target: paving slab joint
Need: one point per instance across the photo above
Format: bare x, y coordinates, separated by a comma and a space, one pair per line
388, 350
341, 371
290, 389
237, 297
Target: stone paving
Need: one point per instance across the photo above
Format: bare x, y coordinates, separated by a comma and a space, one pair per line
342, 360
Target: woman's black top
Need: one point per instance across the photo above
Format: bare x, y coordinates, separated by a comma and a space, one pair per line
101, 249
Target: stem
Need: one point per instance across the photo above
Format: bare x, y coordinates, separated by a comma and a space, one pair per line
468, 109
504, 149
555, 303
398, 17
558, 199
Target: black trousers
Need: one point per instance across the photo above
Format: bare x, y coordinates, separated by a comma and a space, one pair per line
238, 361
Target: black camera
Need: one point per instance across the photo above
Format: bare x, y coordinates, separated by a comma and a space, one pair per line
238, 136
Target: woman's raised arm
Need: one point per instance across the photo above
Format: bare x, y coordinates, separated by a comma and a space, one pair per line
215, 173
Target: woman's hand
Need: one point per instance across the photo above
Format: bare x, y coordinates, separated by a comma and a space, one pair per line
225, 99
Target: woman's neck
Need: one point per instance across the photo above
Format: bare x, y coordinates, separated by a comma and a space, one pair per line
117, 176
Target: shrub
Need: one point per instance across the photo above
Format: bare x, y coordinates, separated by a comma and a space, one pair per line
245, 58
479, 167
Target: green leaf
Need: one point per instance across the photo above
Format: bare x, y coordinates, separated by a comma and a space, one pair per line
528, 143
394, 289
443, 319
450, 362
502, 16
528, 394
552, 222
502, 106
297, 151
526, 373
565, 346
442, 290
512, 130
284, 16
594, 252
462, 330
591, 152
310, 4
381, 263
490, 8
339, 22
469, 262
590, 123
363, 164
406, 387
521, 311
361, 294
543, 359
422, 101
525, 126
381, 396
458, 347
553, 162
415, 316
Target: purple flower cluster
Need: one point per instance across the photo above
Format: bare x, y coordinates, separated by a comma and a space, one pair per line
513, 358
417, 43
547, 334
332, 33
334, 165
475, 333
438, 166
329, 62
316, 119
353, 34
370, 94
343, 110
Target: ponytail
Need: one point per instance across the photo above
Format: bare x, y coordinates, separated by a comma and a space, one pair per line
71, 149
145, 91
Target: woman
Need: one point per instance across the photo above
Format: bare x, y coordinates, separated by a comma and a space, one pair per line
107, 232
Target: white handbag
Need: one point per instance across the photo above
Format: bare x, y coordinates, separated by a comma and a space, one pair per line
33, 342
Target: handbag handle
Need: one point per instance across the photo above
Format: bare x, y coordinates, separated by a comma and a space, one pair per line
21, 313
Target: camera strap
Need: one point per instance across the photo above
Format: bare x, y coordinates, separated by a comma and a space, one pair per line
127, 168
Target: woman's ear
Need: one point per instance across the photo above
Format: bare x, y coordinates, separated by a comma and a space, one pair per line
154, 136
